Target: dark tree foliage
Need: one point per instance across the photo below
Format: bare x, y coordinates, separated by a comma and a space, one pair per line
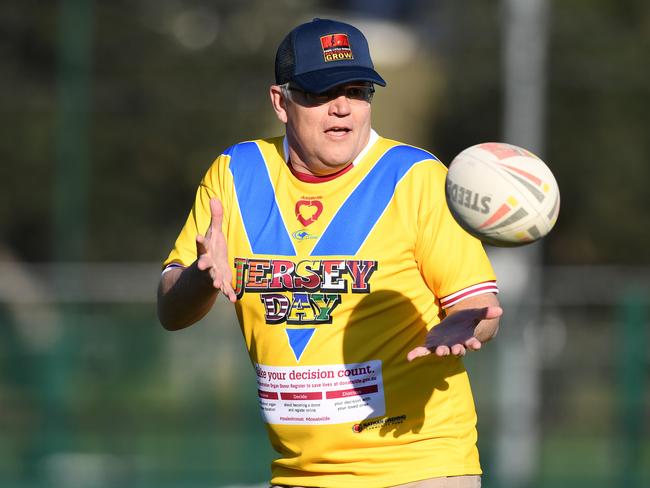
175, 83
597, 119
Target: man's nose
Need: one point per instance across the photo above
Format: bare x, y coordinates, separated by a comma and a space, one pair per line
340, 106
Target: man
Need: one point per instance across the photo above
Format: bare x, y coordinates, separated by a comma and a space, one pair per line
339, 252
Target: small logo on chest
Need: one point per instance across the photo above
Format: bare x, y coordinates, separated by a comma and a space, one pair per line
308, 211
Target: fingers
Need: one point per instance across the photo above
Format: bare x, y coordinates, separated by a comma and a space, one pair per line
216, 217
228, 291
216, 212
204, 262
223, 285
222, 282
418, 352
458, 350
455, 350
212, 253
473, 344
201, 248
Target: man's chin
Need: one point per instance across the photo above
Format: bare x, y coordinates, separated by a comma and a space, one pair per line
339, 158
337, 164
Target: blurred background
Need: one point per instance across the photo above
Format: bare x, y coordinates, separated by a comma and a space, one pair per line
110, 113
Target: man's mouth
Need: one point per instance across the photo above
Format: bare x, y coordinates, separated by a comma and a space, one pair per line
338, 130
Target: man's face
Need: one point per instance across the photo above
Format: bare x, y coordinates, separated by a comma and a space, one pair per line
325, 132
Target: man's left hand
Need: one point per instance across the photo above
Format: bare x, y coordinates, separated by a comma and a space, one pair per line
455, 334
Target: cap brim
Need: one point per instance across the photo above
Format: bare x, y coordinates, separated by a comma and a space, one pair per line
324, 79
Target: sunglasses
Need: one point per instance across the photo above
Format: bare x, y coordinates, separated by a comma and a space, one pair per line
361, 93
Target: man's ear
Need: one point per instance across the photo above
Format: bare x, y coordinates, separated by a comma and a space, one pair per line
279, 103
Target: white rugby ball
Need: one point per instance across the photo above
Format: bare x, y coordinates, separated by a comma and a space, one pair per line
502, 194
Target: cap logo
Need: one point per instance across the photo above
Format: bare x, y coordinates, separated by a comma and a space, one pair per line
336, 47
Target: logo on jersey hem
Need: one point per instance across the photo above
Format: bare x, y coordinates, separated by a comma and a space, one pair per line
377, 423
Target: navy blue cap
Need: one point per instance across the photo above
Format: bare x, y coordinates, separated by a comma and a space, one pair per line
321, 54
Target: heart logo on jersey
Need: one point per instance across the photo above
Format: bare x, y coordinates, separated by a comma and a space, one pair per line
308, 211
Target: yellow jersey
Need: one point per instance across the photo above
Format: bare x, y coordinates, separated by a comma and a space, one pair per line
336, 282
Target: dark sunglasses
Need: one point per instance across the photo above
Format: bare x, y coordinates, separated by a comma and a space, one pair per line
361, 93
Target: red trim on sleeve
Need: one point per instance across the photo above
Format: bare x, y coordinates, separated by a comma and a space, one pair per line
470, 291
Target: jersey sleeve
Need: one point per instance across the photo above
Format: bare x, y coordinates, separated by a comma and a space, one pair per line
452, 262
212, 185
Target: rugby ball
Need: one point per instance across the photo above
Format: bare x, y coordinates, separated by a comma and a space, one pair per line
502, 194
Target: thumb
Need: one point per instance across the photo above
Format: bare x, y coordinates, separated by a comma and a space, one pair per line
201, 247
493, 312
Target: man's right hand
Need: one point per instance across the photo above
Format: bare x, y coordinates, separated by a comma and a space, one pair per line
212, 253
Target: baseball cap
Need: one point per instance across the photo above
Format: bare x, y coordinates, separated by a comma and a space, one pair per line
321, 54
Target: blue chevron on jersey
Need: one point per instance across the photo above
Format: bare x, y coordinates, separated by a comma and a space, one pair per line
367, 202
298, 340
265, 228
